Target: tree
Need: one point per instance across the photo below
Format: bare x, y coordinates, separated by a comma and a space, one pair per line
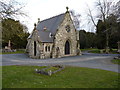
116, 10
10, 9
105, 9
114, 31
76, 19
90, 40
83, 38
100, 35
87, 39
11, 29
14, 31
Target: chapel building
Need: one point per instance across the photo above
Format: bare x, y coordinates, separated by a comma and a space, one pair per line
54, 37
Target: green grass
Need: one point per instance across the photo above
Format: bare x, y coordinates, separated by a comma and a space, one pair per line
51, 68
70, 77
18, 51
93, 50
87, 49
116, 61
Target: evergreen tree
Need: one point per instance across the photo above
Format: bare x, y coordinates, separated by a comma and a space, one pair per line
14, 31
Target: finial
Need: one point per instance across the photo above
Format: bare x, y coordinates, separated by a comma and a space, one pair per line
35, 26
67, 8
38, 20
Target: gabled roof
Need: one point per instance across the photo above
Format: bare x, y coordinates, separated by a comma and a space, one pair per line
51, 25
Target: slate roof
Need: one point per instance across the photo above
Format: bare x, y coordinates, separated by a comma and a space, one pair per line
44, 36
51, 25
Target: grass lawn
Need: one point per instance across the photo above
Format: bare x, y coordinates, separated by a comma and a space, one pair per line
87, 49
70, 77
116, 61
93, 50
52, 69
18, 51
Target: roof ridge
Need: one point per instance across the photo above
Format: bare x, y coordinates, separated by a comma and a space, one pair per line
51, 24
52, 17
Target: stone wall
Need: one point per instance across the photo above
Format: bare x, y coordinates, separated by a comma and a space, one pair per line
43, 50
62, 36
56, 49
30, 45
47, 50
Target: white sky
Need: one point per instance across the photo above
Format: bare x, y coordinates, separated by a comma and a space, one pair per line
44, 9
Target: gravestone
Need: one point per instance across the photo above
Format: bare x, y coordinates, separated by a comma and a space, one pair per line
9, 46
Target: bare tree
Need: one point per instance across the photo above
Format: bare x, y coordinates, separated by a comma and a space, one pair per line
104, 9
10, 9
90, 15
76, 19
116, 10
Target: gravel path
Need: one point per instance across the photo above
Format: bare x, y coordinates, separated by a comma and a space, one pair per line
101, 61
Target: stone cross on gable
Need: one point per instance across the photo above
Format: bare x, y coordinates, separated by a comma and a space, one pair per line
67, 9
35, 26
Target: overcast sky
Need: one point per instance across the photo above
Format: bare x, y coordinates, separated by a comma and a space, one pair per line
44, 9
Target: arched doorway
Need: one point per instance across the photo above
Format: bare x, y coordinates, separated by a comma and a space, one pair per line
67, 47
34, 48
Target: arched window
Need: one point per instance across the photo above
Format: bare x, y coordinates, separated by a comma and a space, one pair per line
46, 48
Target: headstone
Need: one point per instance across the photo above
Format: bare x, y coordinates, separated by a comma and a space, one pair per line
6, 47
9, 45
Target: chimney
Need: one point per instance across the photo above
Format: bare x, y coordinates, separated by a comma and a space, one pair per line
44, 28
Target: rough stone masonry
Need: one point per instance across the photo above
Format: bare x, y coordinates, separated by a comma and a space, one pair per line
54, 37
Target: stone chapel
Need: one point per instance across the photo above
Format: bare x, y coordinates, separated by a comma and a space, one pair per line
54, 37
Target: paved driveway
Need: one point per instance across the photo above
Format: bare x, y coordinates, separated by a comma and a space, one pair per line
101, 61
